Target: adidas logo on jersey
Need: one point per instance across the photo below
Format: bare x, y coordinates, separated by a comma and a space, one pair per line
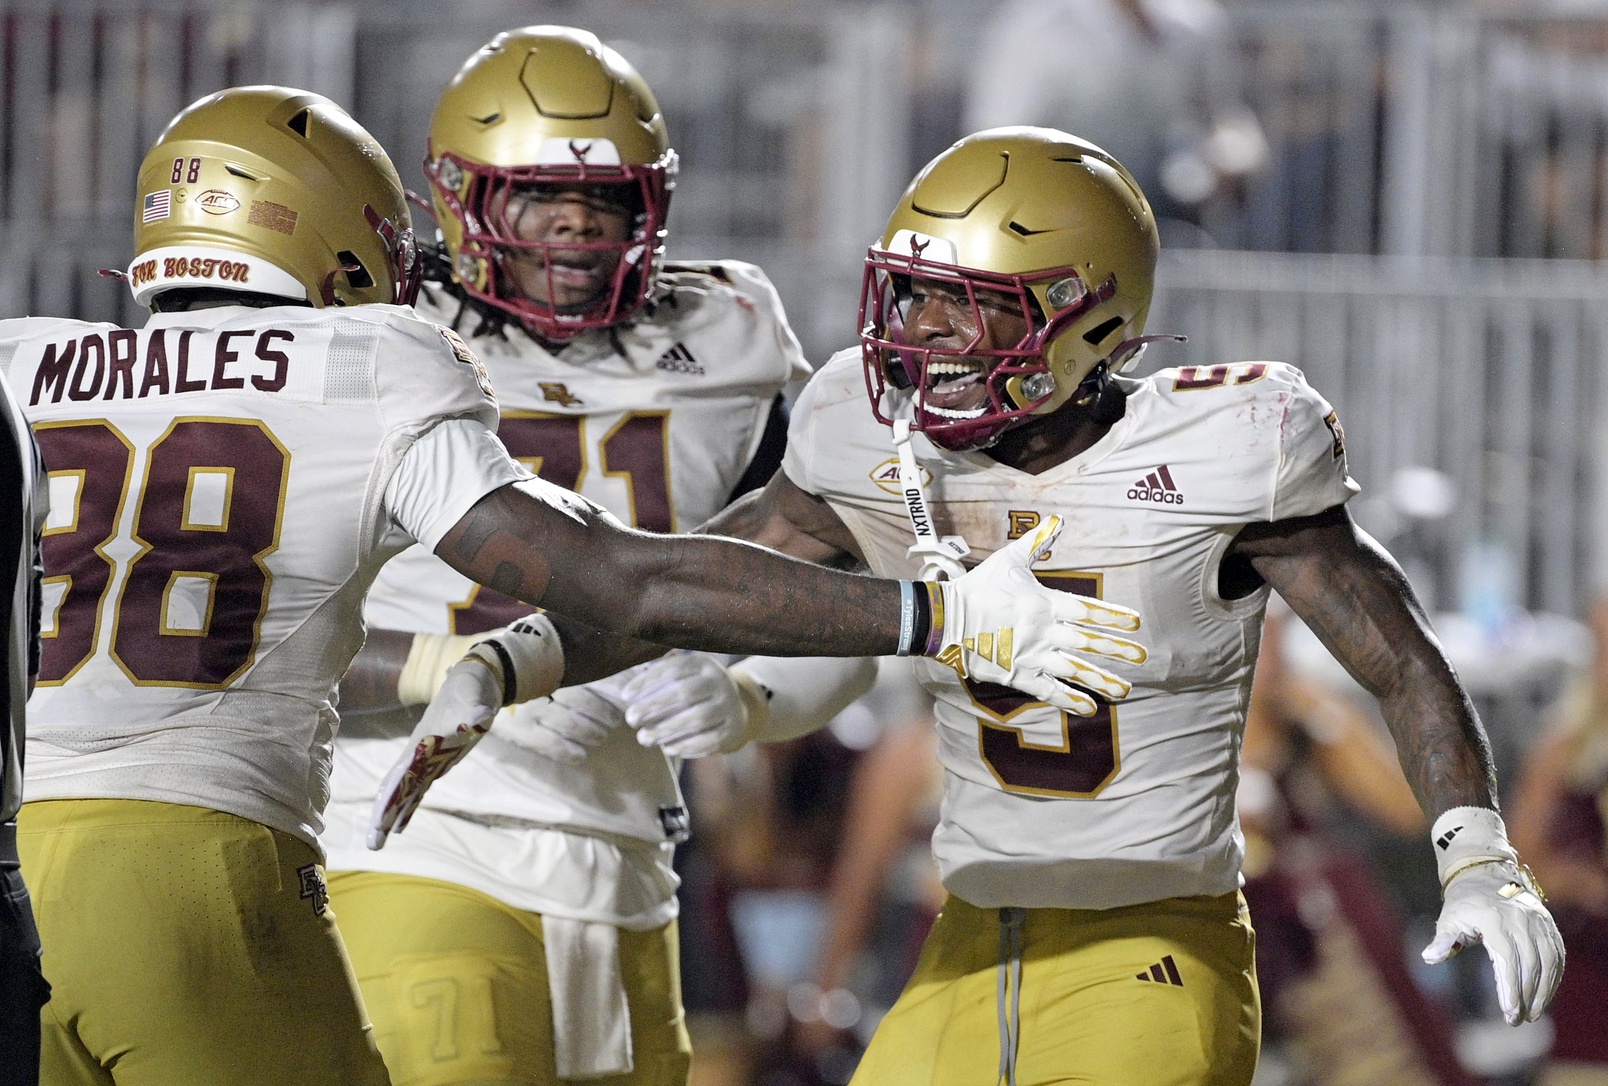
1158, 486
1163, 972
679, 360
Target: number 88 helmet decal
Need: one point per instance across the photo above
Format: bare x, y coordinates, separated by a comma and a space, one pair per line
273, 191
1038, 220
549, 106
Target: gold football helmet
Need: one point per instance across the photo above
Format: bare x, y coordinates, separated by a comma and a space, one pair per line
548, 106
276, 191
1049, 221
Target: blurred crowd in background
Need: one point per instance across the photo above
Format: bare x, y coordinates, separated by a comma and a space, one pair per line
1408, 200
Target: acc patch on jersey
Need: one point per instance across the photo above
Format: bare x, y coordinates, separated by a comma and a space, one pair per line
468, 358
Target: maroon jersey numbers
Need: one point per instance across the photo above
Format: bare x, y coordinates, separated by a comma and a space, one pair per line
206, 514
1081, 764
554, 446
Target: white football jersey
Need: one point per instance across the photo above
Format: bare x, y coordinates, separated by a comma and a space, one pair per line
1136, 803
656, 420
224, 485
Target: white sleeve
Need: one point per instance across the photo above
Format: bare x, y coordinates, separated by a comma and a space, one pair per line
449, 468
1312, 473
797, 454
804, 694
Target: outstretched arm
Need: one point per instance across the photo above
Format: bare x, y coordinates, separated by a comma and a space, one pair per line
1355, 598
779, 516
693, 591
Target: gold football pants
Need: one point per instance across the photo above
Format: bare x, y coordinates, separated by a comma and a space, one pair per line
1160, 994
457, 984
187, 947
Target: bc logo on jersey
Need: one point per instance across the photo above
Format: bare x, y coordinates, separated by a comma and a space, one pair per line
1020, 521
558, 392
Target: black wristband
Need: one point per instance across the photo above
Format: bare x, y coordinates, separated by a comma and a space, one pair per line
921, 621
510, 681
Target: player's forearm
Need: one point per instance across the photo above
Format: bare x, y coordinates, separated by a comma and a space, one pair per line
720, 595
1439, 739
696, 592
1388, 644
370, 682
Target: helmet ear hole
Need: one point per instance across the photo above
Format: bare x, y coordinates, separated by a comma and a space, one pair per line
357, 276
1100, 331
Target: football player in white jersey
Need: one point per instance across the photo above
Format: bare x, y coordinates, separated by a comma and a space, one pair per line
647, 387
226, 481
1094, 930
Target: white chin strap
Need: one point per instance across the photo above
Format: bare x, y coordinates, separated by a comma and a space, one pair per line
940, 555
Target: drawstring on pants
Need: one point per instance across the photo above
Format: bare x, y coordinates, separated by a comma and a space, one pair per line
1010, 985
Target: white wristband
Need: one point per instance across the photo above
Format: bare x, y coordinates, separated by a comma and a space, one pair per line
1466, 837
527, 657
429, 656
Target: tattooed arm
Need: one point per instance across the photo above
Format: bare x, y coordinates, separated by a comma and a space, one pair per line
1355, 598
693, 591
779, 516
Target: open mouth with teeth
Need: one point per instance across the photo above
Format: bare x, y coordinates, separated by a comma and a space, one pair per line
955, 388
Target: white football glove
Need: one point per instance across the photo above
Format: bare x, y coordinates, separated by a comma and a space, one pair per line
565, 727
1490, 898
689, 706
1000, 625
524, 661
457, 717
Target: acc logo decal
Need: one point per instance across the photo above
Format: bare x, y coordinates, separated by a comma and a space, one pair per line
217, 202
559, 393
886, 476
1332, 421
